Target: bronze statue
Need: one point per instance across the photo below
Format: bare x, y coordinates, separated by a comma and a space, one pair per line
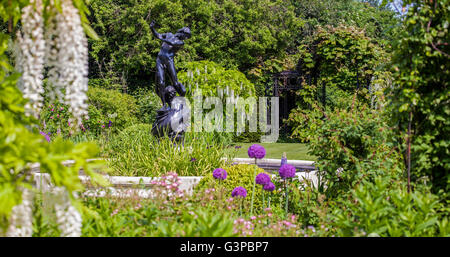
164, 62
169, 117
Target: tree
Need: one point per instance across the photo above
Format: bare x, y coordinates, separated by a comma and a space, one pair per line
235, 34
420, 97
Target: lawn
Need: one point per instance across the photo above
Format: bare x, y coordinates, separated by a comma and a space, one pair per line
294, 151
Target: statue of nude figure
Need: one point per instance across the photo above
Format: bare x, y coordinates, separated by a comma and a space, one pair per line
164, 62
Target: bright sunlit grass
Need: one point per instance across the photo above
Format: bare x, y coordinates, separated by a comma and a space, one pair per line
294, 151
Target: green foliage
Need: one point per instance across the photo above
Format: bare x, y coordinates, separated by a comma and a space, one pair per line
198, 223
421, 89
385, 208
55, 118
339, 61
109, 112
142, 217
235, 34
214, 80
20, 142
355, 140
377, 21
136, 152
148, 103
110, 105
21, 146
105, 217
237, 175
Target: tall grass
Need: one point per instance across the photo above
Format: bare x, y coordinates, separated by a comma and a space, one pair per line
135, 152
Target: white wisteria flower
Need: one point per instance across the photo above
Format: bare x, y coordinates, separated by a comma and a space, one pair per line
62, 47
21, 219
67, 217
67, 56
30, 52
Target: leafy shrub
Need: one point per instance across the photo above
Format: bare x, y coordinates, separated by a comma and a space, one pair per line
55, 119
120, 109
200, 222
385, 208
238, 175
136, 152
234, 34
214, 80
109, 111
148, 103
420, 97
162, 215
349, 144
340, 61
106, 217
22, 145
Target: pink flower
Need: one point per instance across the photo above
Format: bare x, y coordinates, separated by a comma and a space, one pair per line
115, 212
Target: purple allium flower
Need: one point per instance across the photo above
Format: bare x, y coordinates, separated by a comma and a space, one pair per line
287, 171
269, 187
239, 192
220, 174
262, 179
283, 160
47, 137
256, 151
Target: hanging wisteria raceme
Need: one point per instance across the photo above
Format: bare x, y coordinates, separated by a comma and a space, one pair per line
67, 217
54, 84
21, 219
71, 46
63, 48
30, 52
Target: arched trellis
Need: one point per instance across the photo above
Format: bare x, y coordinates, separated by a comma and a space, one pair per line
285, 85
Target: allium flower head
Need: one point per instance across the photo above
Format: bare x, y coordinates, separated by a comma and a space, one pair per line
269, 187
262, 179
220, 174
283, 159
256, 151
239, 192
287, 171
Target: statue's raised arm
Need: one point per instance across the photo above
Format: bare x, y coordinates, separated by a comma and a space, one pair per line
168, 38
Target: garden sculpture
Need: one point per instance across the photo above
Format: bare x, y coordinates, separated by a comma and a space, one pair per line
164, 62
169, 118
